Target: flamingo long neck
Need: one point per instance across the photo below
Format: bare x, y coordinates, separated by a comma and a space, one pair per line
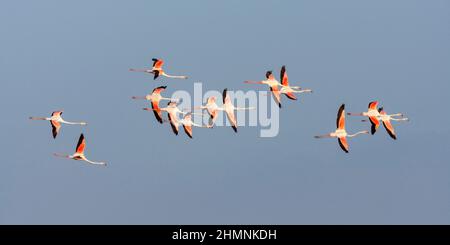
173, 76
360, 132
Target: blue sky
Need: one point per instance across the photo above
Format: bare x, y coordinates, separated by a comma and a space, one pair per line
75, 56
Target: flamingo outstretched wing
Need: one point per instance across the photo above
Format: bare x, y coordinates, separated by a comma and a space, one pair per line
55, 128
389, 129
159, 89
157, 63
285, 82
81, 145
276, 94
388, 125
284, 77
157, 111
173, 122
269, 75
340, 121
232, 119
57, 113
230, 112
375, 123
343, 143
373, 105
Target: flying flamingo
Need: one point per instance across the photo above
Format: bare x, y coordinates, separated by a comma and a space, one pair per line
154, 99
172, 112
340, 132
188, 123
386, 119
212, 108
273, 85
287, 90
373, 115
79, 153
157, 70
229, 109
56, 120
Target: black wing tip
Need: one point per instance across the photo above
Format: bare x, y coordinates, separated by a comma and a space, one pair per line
155, 75
279, 105
224, 94
373, 129
342, 146
234, 128
341, 109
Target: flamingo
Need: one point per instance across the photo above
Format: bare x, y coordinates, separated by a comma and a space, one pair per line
273, 85
56, 120
340, 132
172, 112
386, 119
373, 115
290, 90
154, 99
157, 70
79, 153
212, 108
229, 109
188, 123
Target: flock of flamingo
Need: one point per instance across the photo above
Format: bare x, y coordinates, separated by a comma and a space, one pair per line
374, 113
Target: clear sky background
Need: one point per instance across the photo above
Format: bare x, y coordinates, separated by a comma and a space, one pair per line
75, 55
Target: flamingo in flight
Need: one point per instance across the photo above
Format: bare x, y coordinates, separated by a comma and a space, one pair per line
188, 123
273, 85
79, 153
287, 90
212, 108
340, 132
373, 115
56, 120
386, 119
229, 109
172, 112
157, 70
154, 99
